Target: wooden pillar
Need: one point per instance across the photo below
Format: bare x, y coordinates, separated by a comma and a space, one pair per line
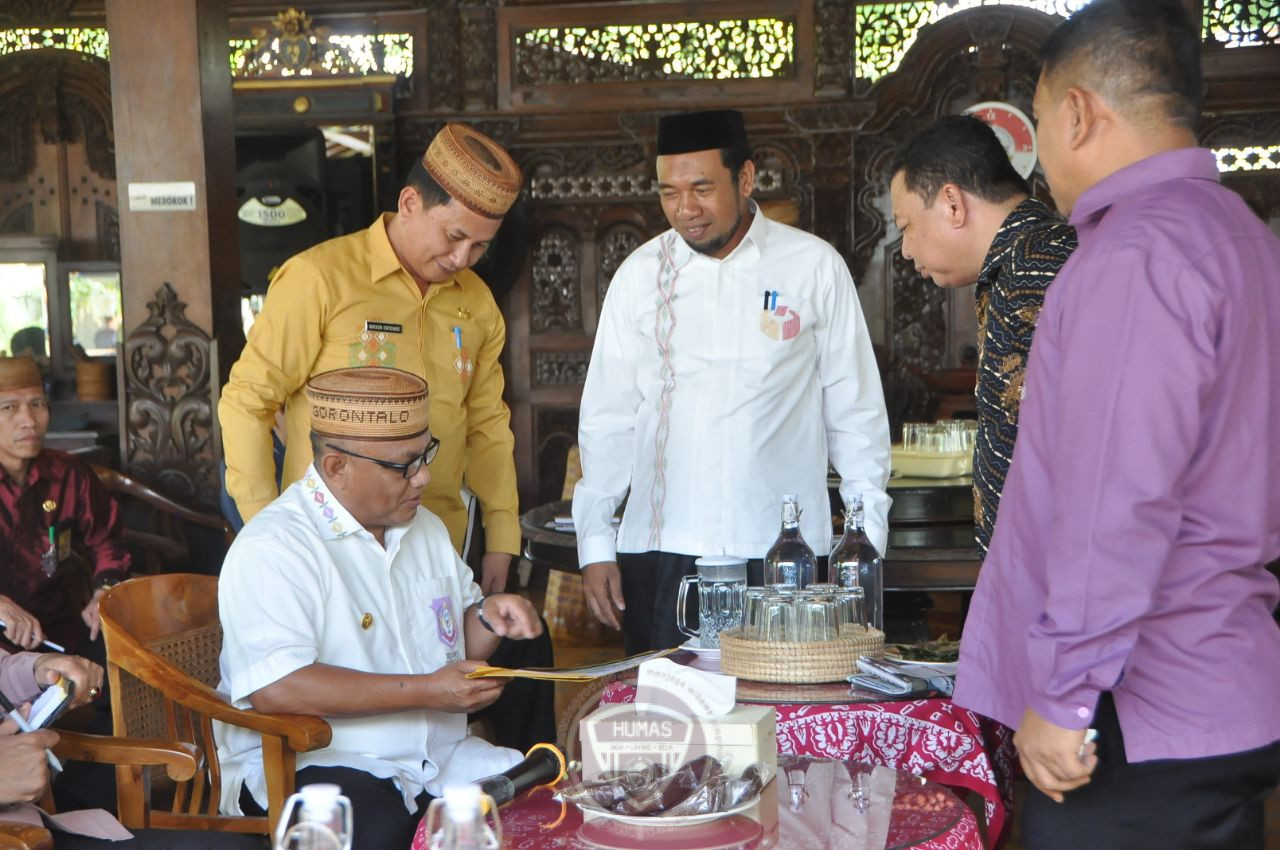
171, 100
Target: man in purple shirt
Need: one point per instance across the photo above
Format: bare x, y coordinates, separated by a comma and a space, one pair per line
1125, 587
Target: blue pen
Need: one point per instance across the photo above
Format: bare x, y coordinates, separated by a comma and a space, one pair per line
773, 305
457, 337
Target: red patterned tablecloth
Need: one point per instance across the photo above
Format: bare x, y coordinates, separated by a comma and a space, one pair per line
933, 738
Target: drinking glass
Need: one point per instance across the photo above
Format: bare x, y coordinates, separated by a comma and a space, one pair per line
778, 623
754, 617
816, 620
850, 607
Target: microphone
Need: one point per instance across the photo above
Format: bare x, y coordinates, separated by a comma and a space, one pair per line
543, 765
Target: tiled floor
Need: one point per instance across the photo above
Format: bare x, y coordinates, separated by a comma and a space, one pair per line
578, 654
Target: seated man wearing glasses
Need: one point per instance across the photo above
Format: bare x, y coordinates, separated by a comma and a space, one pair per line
344, 598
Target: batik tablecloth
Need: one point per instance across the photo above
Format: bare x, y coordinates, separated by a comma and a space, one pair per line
933, 738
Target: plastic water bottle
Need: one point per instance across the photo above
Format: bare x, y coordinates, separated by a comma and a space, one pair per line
790, 561
318, 817
464, 826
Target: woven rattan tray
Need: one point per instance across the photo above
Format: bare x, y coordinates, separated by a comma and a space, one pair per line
800, 663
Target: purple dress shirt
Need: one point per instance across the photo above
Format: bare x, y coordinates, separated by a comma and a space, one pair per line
1144, 495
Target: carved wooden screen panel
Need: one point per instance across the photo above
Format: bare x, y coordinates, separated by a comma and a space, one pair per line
642, 54
591, 205
57, 148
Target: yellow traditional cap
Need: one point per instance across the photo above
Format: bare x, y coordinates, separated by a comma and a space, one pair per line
19, 373
476, 171
368, 403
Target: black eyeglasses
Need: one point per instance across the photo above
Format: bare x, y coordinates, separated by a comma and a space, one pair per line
408, 470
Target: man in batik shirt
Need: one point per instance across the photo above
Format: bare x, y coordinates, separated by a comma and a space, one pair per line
966, 215
48, 502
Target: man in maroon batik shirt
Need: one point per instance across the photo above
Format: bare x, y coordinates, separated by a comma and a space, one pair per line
48, 501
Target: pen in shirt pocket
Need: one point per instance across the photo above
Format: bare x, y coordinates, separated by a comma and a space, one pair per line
457, 337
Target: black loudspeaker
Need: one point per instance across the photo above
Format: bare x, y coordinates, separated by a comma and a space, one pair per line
280, 200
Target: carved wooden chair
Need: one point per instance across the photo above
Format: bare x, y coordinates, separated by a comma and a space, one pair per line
179, 761
163, 638
156, 525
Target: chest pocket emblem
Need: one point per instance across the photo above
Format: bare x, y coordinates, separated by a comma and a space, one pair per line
446, 623
372, 348
780, 323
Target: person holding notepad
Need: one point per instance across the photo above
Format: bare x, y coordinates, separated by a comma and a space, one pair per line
344, 598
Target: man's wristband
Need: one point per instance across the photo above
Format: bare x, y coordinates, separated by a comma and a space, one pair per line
480, 614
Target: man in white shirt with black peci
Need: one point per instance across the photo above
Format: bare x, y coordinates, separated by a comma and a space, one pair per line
732, 361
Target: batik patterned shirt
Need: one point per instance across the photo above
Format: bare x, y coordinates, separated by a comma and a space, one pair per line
1029, 249
62, 493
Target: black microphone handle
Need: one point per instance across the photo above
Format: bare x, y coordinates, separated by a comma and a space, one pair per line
538, 768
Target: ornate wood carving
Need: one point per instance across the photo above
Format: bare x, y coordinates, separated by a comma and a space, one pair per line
917, 341
834, 35
675, 50
553, 368
33, 13
989, 33
20, 219
108, 230
641, 54
479, 47
169, 412
66, 96
615, 243
1241, 129
1242, 22
444, 55
557, 300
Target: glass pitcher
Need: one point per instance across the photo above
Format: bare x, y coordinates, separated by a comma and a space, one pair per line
722, 593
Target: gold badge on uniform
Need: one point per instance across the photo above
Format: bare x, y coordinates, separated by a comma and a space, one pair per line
366, 622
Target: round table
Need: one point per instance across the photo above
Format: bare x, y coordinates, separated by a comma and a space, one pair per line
808, 805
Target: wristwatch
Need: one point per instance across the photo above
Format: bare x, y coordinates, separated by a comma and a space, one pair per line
480, 614
107, 583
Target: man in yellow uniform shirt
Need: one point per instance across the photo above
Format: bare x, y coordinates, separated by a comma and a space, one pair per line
401, 295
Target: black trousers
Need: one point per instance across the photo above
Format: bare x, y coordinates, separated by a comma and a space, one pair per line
1173, 804
378, 815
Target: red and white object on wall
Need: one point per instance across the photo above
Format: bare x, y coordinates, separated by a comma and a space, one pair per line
1014, 130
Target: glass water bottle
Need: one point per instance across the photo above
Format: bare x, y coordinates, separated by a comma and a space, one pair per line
855, 562
318, 817
790, 560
